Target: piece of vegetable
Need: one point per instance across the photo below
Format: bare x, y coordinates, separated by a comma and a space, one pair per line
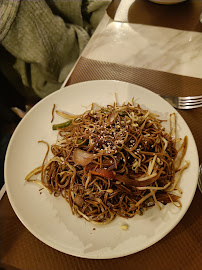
62, 125
181, 153
128, 180
112, 117
103, 172
82, 142
66, 115
138, 182
173, 126
82, 158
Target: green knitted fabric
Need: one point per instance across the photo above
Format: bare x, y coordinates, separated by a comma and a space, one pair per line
47, 37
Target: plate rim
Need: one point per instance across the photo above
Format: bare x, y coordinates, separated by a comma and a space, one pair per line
48, 241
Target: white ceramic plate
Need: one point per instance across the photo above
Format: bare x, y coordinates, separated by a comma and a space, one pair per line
50, 218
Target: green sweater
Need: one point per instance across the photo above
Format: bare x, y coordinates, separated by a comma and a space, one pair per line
44, 38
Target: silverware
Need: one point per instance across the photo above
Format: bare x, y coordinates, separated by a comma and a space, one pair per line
184, 103
200, 178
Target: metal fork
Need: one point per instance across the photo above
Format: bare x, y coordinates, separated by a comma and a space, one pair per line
184, 103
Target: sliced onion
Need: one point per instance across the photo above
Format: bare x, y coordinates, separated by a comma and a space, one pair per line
112, 117
165, 144
151, 165
147, 177
66, 115
181, 153
82, 158
173, 126
88, 180
178, 176
154, 188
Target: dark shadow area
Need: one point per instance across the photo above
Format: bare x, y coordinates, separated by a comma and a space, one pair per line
8, 119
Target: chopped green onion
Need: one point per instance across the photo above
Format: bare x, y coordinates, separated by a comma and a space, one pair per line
82, 142
62, 125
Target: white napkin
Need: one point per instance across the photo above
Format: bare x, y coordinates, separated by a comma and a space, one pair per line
122, 11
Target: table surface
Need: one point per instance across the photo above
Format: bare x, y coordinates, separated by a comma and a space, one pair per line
132, 37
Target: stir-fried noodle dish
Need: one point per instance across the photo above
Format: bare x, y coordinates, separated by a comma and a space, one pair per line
113, 161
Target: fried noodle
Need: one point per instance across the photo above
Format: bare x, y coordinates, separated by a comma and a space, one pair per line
113, 161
